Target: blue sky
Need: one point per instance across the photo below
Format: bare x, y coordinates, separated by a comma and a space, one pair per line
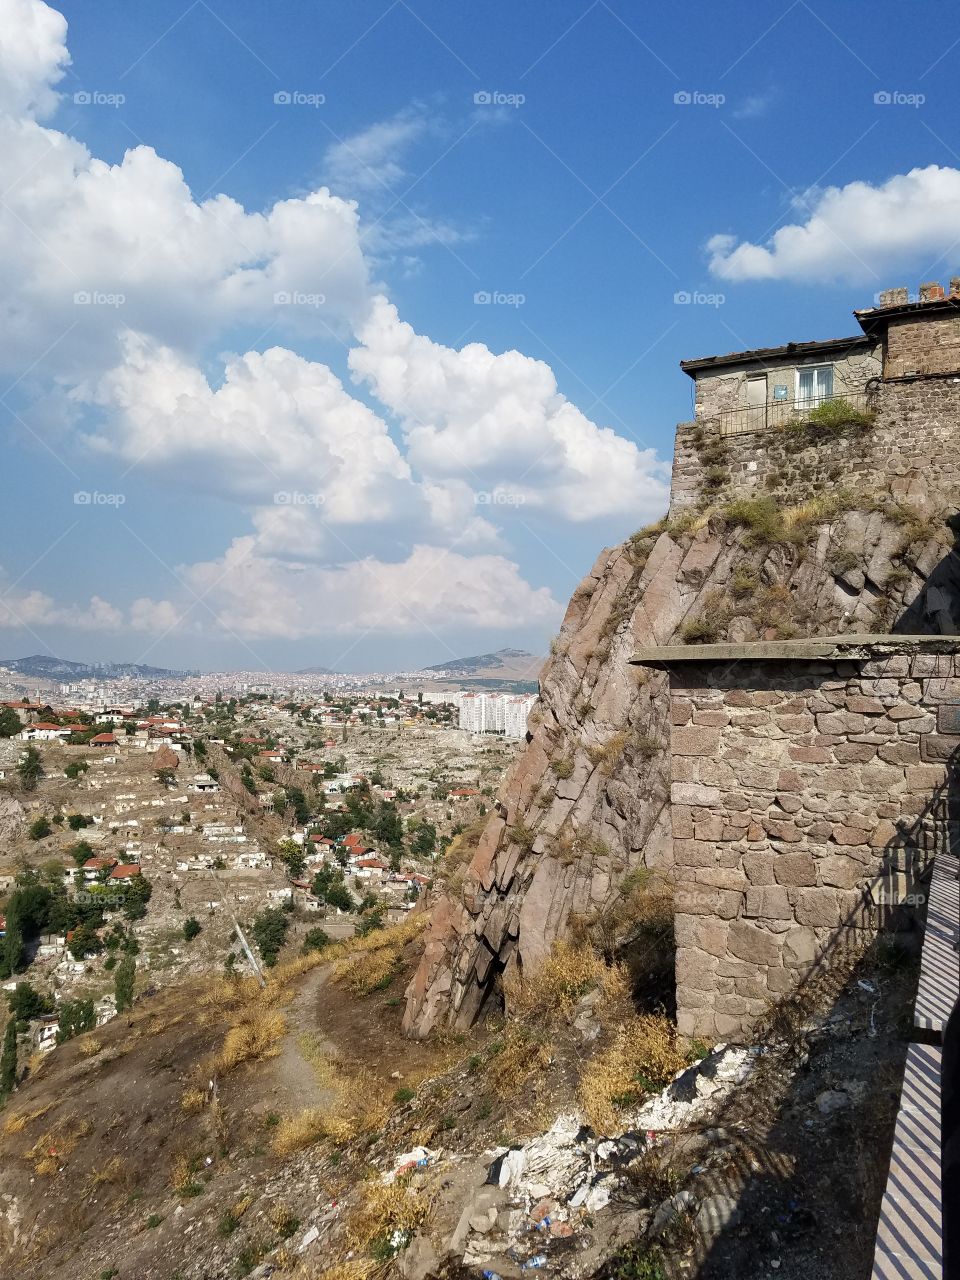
304, 434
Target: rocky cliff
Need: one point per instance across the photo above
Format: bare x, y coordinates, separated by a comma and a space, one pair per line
587, 802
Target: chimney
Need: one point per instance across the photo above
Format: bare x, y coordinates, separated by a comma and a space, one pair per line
931, 291
894, 297
955, 286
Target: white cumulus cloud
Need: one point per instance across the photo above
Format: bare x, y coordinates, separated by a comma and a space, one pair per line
858, 232
499, 422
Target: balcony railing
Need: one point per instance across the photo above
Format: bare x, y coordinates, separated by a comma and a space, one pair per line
778, 414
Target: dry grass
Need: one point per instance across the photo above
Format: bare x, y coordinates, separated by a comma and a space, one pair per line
607, 754
370, 963
19, 1120
307, 1127
114, 1171
192, 1101
644, 1055
523, 1054
255, 1036
357, 1103
644, 907
89, 1046
386, 1209
568, 973
53, 1147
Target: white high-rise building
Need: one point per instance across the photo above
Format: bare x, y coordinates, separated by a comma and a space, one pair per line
495, 713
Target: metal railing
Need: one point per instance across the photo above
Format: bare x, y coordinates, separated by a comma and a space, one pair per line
779, 414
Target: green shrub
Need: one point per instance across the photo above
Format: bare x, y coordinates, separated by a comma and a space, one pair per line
39, 828
700, 631
191, 927
834, 415
744, 582
761, 517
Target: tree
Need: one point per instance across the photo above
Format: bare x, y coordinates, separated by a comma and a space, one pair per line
30, 769
270, 931
315, 940
8, 1061
75, 768
293, 855
191, 927
40, 828
76, 821
26, 1002
388, 826
81, 852
338, 895
425, 841
76, 1016
84, 942
301, 810
9, 722
137, 891
167, 776
123, 980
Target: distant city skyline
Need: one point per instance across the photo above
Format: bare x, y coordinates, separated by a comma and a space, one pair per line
351, 339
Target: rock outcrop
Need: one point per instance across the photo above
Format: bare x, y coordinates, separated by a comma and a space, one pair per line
587, 801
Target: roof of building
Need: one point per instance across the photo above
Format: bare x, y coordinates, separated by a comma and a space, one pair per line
843, 646
871, 318
125, 871
789, 349
104, 738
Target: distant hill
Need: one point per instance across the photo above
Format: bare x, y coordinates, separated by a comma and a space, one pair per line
44, 667
504, 665
315, 671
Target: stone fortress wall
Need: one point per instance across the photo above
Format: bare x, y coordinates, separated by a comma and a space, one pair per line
803, 789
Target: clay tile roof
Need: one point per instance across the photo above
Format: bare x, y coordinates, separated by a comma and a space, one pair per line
125, 871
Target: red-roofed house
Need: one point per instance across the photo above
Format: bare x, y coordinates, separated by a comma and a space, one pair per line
104, 740
125, 871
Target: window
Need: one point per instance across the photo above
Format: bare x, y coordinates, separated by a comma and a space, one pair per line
815, 383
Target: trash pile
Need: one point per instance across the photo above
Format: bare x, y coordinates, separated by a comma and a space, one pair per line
541, 1205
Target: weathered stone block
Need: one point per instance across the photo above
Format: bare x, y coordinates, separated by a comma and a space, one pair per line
818, 907
770, 901
759, 868
795, 869
839, 872
695, 740
800, 948
748, 942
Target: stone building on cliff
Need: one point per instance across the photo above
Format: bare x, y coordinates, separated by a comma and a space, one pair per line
786, 790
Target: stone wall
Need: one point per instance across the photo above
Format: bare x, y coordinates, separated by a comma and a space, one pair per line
913, 446
922, 345
792, 785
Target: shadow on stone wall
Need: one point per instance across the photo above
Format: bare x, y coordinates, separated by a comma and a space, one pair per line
936, 609
809, 1143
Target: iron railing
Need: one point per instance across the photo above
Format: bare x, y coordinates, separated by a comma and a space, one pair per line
779, 414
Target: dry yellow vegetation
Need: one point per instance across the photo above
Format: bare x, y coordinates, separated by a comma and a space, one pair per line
645, 1053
